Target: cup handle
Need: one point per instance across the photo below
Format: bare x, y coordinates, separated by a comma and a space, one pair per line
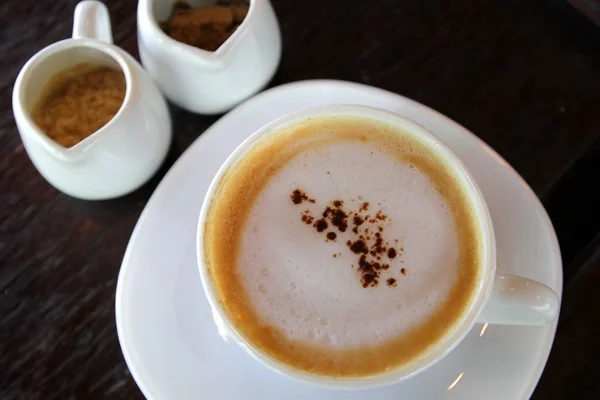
520, 301
92, 21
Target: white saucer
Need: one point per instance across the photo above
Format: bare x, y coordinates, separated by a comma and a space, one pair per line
165, 327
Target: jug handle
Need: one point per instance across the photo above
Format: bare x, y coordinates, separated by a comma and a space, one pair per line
92, 21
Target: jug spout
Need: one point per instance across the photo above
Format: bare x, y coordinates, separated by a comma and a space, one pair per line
28, 90
152, 13
210, 82
47, 68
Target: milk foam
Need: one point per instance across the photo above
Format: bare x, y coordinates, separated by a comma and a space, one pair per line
295, 283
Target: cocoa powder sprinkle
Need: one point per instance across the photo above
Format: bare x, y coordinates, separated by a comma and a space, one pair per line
298, 196
391, 253
359, 247
307, 217
321, 225
370, 248
339, 219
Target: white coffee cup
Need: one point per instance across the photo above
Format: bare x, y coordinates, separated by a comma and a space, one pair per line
203, 81
120, 156
498, 298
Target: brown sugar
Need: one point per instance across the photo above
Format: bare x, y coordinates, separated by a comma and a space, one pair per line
79, 101
205, 27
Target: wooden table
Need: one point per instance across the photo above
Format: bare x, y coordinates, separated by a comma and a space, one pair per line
525, 78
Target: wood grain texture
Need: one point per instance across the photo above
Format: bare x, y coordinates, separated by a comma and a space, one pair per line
524, 76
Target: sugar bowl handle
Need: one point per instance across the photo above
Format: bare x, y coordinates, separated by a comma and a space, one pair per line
92, 21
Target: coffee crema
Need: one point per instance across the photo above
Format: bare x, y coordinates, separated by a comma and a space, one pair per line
342, 246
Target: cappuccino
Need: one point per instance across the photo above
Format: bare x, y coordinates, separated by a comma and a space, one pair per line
342, 246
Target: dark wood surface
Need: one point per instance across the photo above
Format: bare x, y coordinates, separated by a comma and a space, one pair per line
524, 76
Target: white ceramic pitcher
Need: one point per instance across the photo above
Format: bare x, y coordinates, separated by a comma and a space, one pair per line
124, 153
203, 81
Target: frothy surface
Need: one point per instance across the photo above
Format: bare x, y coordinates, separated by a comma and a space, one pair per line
297, 294
296, 284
